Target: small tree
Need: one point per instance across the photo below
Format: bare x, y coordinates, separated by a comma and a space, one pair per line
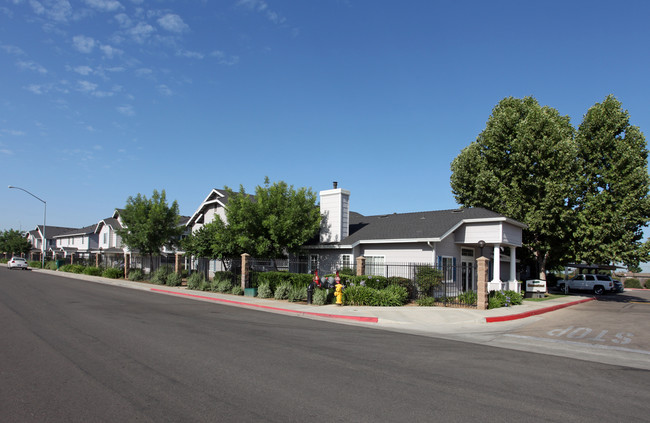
427, 278
12, 241
149, 223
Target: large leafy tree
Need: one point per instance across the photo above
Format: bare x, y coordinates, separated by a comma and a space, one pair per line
150, 223
523, 165
612, 201
13, 241
277, 220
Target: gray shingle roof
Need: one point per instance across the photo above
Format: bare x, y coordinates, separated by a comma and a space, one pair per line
78, 232
420, 225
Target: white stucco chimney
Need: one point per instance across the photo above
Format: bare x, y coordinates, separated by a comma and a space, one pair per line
335, 210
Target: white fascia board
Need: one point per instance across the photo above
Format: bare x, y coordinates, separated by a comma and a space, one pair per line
371, 241
205, 202
486, 220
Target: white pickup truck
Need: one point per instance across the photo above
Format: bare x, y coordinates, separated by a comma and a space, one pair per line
598, 284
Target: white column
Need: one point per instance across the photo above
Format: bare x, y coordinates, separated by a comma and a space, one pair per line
514, 285
495, 283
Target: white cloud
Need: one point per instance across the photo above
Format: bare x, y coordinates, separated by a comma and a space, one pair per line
123, 20
164, 90
7, 152
13, 132
36, 89
190, 54
110, 52
12, 50
261, 6
90, 88
83, 44
83, 70
141, 32
172, 23
126, 110
29, 65
57, 10
143, 72
105, 5
223, 59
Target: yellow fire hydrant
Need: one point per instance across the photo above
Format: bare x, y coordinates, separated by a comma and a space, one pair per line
338, 293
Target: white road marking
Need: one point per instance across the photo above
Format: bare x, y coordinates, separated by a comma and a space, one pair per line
561, 341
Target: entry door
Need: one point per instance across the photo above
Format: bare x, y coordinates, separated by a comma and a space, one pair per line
467, 275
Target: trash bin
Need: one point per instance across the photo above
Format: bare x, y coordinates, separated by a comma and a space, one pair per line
59, 263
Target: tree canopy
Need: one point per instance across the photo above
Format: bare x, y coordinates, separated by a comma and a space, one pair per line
13, 241
149, 223
583, 194
277, 220
523, 165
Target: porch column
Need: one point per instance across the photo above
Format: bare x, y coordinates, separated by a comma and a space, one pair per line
361, 266
177, 268
482, 283
513, 284
495, 284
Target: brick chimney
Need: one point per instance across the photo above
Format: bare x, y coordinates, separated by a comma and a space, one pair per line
335, 212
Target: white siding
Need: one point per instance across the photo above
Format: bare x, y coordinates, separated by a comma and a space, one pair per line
400, 253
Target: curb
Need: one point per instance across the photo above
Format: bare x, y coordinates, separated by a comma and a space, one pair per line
534, 312
285, 310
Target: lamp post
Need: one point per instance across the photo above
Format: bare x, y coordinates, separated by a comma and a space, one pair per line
44, 216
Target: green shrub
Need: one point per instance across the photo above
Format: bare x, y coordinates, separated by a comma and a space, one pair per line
514, 298
264, 291
112, 273
50, 265
300, 280
632, 283
159, 277
348, 271
33, 264
77, 268
498, 299
322, 296
136, 275
403, 282
647, 283
174, 279
5, 261
223, 286
237, 290
468, 298
359, 295
282, 291
195, 280
297, 293
392, 296
206, 286
427, 278
425, 301
92, 271
66, 268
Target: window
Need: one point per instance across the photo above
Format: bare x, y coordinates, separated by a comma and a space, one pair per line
447, 266
105, 238
375, 265
313, 262
466, 252
346, 261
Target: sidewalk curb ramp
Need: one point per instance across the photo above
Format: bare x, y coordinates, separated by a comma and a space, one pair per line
534, 312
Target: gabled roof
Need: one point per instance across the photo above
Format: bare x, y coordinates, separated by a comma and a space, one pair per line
430, 226
78, 232
110, 221
216, 196
51, 231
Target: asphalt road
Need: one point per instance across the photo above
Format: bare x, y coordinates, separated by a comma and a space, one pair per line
77, 351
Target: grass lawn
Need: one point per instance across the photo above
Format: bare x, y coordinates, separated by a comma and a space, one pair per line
547, 297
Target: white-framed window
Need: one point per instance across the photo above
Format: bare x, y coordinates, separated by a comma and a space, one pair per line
447, 266
313, 262
105, 238
375, 265
346, 261
467, 252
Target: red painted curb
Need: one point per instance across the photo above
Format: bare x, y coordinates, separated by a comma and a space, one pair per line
534, 312
286, 310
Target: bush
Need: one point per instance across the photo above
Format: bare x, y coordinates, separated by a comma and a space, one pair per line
195, 280
297, 293
359, 295
92, 271
468, 298
136, 275
159, 277
632, 283
77, 268
498, 299
403, 282
237, 290
426, 301
50, 265
282, 291
5, 261
174, 279
427, 278
223, 286
32, 264
515, 298
264, 291
322, 296
206, 286
392, 296
300, 280
112, 273
647, 283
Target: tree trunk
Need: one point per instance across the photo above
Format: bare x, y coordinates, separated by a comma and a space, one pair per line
541, 264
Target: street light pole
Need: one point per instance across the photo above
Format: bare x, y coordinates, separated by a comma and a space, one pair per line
44, 217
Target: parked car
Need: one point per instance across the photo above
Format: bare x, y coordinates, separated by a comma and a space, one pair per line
618, 286
17, 263
598, 284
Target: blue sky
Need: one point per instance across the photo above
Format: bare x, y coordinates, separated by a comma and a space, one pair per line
104, 99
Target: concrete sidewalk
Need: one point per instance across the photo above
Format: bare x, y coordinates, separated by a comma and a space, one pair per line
410, 319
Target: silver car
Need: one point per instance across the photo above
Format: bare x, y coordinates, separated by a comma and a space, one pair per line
17, 263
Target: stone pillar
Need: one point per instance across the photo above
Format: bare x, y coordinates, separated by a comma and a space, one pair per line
127, 265
96, 259
513, 284
482, 283
72, 258
361, 266
177, 269
244, 270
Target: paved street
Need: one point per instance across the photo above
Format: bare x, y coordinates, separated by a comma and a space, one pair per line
80, 351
